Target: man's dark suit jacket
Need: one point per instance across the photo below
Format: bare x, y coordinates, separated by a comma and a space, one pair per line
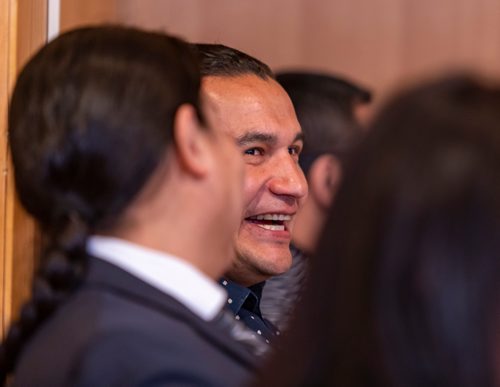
116, 330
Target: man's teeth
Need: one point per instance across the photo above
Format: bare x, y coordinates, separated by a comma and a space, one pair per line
280, 217
272, 227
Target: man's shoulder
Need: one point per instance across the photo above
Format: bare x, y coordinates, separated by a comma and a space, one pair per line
104, 335
177, 356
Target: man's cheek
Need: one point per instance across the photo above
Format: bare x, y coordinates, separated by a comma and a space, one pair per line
250, 188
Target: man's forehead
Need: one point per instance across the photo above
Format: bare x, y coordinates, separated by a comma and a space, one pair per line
251, 109
264, 129
232, 102
241, 88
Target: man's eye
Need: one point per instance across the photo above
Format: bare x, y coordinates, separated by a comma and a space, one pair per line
254, 151
294, 150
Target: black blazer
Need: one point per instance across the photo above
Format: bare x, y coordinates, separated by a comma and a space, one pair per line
116, 330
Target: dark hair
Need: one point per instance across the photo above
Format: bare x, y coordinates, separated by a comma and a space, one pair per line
405, 287
220, 60
90, 119
324, 104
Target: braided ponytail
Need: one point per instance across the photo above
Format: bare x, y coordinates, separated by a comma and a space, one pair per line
63, 267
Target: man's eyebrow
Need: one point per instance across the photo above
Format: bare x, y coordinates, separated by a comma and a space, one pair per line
252, 137
299, 137
267, 138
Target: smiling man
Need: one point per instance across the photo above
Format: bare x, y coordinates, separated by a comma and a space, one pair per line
242, 98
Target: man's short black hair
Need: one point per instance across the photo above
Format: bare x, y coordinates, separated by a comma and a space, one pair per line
220, 60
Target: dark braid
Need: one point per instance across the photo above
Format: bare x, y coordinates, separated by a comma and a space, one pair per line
90, 119
61, 273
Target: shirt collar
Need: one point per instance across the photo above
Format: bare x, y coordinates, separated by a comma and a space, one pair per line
241, 297
170, 274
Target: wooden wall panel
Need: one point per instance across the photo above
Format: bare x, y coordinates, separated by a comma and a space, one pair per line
270, 30
360, 39
381, 43
7, 52
185, 18
452, 34
22, 31
78, 12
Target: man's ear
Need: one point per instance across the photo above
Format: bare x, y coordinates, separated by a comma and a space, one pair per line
191, 141
323, 178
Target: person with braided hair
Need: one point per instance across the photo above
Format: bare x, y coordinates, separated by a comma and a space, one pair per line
139, 199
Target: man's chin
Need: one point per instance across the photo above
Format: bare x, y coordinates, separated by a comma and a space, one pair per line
249, 269
274, 265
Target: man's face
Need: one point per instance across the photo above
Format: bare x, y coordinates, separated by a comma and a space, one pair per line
259, 116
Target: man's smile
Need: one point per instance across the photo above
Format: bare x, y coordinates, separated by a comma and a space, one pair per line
271, 221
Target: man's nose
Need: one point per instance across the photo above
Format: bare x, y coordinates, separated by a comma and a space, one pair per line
288, 179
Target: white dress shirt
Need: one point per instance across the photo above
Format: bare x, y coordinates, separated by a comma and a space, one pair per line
169, 274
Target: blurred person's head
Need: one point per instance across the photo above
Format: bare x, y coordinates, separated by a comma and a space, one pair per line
405, 288
107, 137
326, 109
242, 98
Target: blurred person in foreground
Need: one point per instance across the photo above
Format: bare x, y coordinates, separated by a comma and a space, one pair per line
326, 107
242, 98
405, 285
113, 158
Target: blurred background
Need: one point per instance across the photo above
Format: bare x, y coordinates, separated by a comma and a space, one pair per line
381, 44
